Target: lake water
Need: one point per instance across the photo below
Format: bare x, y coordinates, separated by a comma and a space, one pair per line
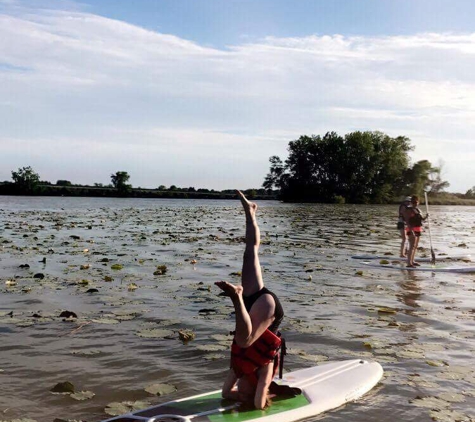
419, 326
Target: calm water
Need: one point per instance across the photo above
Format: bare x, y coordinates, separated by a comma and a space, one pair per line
420, 327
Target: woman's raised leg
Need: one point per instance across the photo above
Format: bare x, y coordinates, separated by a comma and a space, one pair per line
251, 267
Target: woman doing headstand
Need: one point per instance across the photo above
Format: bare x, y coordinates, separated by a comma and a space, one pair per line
258, 315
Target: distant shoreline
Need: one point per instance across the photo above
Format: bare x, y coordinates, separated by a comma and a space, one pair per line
254, 194
110, 192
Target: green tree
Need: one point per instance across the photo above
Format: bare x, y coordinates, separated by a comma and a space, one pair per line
359, 167
436, 184
63, 183
119, 181
470, 194
26, 180
275, 176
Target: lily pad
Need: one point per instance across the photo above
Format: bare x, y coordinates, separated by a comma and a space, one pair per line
82, 395
116, 408
155, 333
446, 415
215, 356
160, 389
452, 397
386, 310
211, 347
116, 267
105, 321
186, 335
430, 402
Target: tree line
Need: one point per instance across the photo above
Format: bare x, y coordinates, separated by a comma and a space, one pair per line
26, 181
359, 167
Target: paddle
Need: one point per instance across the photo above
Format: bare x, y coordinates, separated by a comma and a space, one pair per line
432, 254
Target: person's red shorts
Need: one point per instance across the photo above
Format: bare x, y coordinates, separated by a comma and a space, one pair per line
416, 231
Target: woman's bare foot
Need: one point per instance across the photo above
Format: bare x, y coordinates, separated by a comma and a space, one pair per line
250, 208
229, 289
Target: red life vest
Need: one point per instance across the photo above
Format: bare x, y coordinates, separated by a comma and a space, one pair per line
246, 361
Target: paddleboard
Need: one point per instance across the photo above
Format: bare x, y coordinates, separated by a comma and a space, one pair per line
324, 387
437, 268
459, 257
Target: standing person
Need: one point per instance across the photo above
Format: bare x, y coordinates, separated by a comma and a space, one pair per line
413, 219
401, 226
258, 315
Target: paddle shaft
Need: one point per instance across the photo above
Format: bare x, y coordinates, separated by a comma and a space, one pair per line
428, 226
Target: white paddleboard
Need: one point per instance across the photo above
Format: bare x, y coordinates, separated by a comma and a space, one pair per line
459, 257
437, 268
324, 387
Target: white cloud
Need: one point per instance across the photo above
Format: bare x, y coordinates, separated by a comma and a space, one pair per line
78, 88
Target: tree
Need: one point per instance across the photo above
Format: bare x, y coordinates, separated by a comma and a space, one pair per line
274, 177
26, 180
470, 194
63, 183
359, 167
119, 181
436, 184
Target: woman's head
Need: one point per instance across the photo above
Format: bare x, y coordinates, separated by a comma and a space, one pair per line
414, 199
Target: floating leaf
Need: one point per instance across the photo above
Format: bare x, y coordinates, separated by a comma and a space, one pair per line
314, 358
446, 415
186, 335
160, 389
162, 268
132, 286
116, 408
155, 333
436, 363
117, 266
430, 402
386, 310
82, 395
452, 397
105, 321
211, 347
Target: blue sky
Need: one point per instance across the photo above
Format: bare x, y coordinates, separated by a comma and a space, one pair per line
227, 22
202, 92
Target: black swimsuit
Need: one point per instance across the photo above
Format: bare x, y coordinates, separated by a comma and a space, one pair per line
279, 311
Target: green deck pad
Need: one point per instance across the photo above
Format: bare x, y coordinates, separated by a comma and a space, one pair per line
279, 405
214, 401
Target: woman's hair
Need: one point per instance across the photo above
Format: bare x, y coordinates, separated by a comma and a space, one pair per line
414, 198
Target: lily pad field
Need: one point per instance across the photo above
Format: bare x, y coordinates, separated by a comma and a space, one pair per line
109, 305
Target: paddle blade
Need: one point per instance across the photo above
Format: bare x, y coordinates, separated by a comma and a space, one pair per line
432, 254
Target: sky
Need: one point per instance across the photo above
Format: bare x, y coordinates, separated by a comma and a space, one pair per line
202, 92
